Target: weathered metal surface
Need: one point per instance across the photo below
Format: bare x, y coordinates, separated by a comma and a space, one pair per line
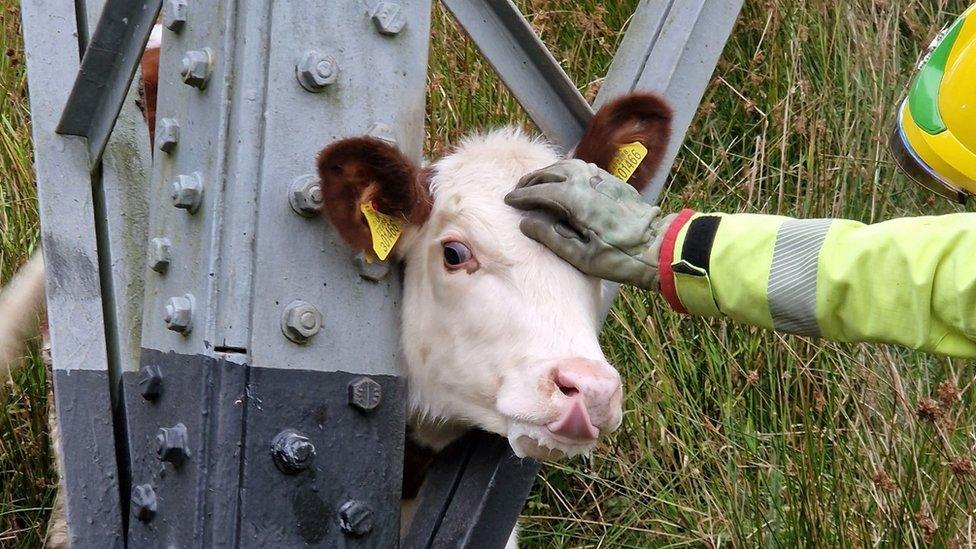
110, 62
526, 67
473, 494
73, 285
671, 47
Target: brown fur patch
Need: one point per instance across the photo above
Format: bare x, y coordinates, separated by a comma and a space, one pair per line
148, 89
360, 169
643, 117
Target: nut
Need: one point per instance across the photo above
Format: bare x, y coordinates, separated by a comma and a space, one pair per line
365, 394
174, 14
316, 70
159, 254
171, 444
300, 321
196, 67
292, 451
355, 518
305, 195
150, 382
179, 314
187, 191
384, 132
144, 502
167, 134
388, 18
375, 271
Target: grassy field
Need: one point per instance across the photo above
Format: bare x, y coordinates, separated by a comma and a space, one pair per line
731, 435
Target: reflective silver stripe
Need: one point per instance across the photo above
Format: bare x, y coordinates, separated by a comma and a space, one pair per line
792, 288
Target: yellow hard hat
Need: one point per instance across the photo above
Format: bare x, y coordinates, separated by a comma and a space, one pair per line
934, 141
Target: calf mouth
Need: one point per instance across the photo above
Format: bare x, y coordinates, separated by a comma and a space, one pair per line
529, 440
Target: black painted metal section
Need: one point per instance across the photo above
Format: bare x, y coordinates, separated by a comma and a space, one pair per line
472, 495
269, 458
106, 72
348, 495
196, 493
87, 446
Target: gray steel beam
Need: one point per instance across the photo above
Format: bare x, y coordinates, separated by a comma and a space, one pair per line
110, 61
526, 67
671, 47
74, 293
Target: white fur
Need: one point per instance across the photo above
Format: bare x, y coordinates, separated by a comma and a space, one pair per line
480, 348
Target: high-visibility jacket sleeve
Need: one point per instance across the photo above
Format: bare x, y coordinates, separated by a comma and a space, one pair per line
909, 281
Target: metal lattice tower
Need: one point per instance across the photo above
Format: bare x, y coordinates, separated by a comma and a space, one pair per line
225, 370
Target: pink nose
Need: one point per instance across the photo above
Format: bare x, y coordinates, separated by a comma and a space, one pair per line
589, 393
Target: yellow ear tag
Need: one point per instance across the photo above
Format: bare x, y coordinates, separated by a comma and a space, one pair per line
384, 229
628, 158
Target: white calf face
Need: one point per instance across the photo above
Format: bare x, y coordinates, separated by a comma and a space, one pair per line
498, 332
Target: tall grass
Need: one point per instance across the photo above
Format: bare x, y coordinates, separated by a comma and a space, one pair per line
731, 435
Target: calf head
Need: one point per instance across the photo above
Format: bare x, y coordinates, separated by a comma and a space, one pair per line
497, 331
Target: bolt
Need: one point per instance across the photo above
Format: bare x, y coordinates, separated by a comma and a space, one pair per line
171, 444
144, 502
179, 314
167, 134
375, 271
196, 67
292, 451
316, 70
159, 254
174, 14
365, 394
383, 132
150, 382
355, 518
187, 191
300, 321
305, 195
388, 18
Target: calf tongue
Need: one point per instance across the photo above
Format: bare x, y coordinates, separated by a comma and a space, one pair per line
575, 423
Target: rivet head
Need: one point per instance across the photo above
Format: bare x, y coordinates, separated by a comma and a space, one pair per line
167, 134
178, 314
292, 452
159, 254
375, 271
388, 18
315, 71
196, 67
383, 132
187, 191
174, 14
300, 321
143, 502
355, 518
150, 382
365, 394
305, 195
171, 444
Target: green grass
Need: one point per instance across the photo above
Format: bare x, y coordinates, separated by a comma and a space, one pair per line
731, 435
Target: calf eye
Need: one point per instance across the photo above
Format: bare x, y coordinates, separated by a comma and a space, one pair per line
456, 254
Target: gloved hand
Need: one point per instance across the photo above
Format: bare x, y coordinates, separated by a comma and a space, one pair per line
593, 220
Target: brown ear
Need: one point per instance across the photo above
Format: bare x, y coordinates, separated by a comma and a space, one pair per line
635, 117
365, 169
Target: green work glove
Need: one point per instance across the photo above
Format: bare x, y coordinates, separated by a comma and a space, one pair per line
593, 220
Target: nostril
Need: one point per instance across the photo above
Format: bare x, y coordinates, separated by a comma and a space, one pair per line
566, 385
